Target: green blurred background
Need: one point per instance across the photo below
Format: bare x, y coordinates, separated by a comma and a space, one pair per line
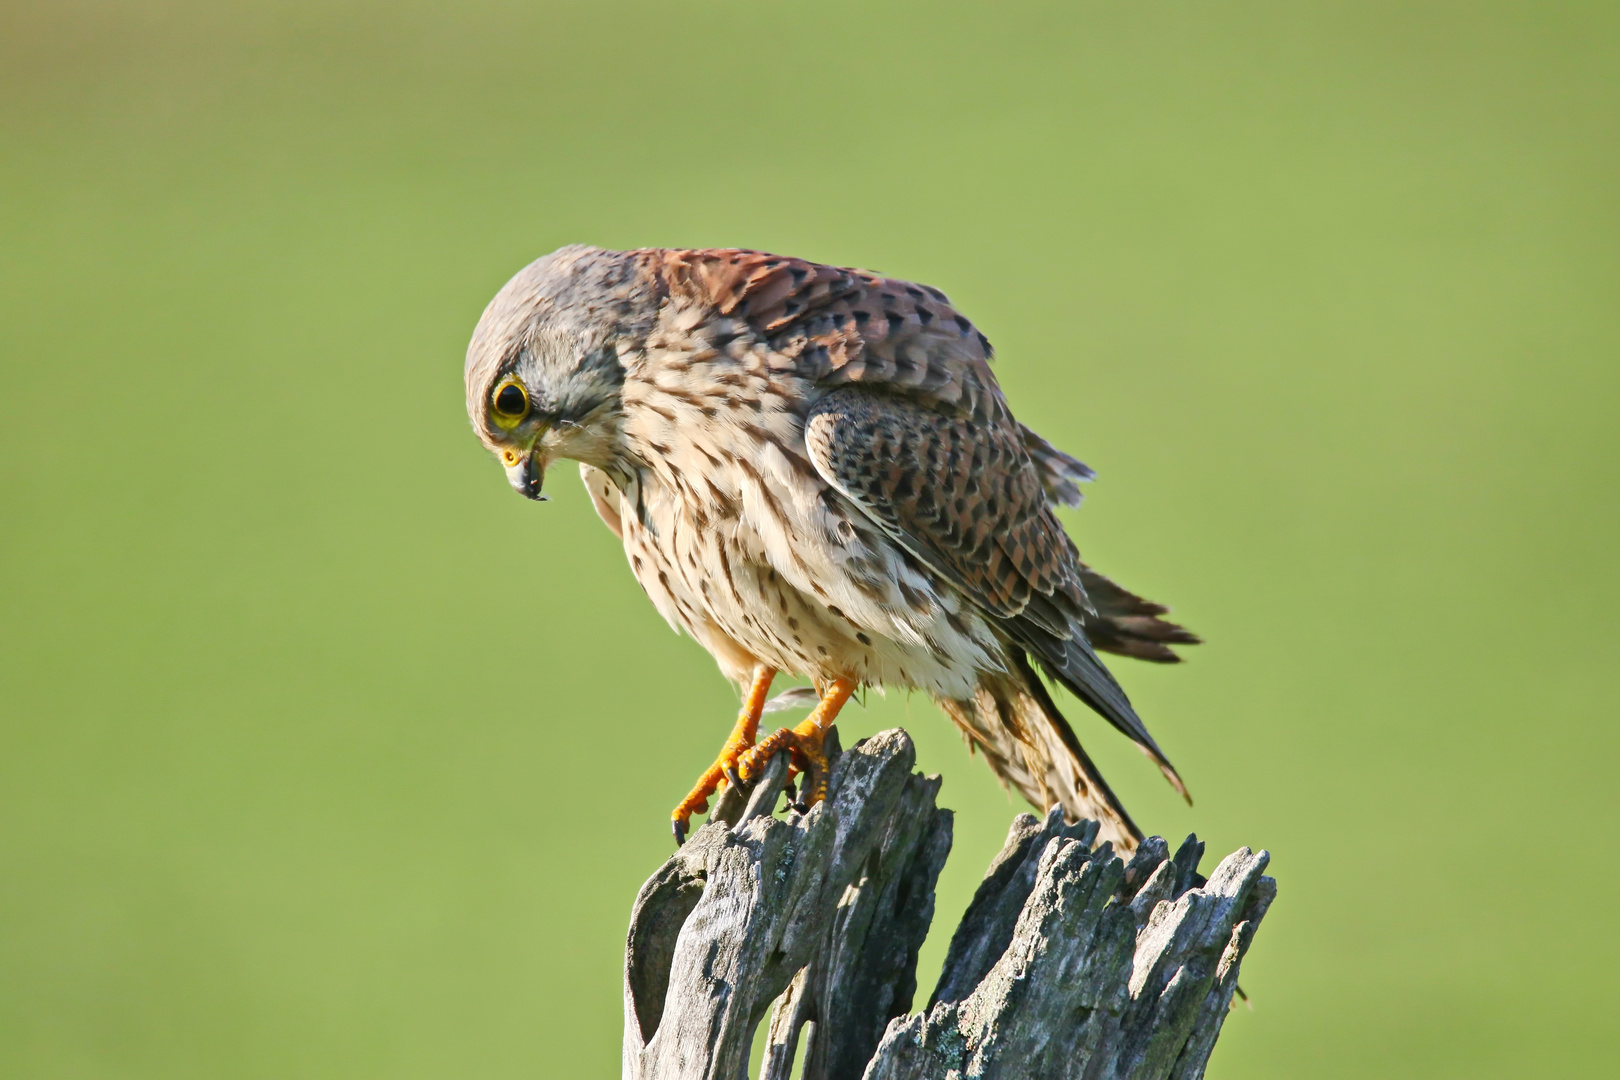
324, 755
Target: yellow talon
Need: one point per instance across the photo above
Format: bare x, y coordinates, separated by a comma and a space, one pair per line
805, 742
741, 738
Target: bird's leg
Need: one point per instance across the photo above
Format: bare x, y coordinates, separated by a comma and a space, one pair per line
725, 766
805, 743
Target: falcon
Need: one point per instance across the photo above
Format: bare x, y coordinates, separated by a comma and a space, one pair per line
814, 473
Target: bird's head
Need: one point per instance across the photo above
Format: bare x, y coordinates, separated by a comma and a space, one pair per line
544, 368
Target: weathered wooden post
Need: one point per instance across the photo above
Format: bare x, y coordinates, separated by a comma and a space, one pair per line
1068, 963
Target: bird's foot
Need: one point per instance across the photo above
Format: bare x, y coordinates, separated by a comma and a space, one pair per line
724, 769
809, 759
804, 742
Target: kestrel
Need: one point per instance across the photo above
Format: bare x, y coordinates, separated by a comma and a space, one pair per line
814, 472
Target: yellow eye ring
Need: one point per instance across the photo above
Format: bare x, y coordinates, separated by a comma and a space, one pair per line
509, 403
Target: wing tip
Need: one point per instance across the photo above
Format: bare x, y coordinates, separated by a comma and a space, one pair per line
1169, 772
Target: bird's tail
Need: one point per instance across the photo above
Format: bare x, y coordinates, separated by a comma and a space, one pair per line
1130, 625
1031, 747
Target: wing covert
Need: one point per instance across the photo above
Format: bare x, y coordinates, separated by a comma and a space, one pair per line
841, 326
961, 497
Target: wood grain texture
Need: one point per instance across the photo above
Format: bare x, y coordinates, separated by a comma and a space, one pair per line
1069, 962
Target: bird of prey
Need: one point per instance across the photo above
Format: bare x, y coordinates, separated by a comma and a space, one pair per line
814, 472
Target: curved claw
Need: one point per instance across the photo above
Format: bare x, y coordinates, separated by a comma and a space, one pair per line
804, 741
724, 767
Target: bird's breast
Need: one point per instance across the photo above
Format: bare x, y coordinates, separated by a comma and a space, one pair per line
739, 542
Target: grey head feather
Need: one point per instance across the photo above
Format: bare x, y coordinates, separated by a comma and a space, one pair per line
557, 325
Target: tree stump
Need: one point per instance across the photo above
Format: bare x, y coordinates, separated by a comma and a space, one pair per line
1069, 962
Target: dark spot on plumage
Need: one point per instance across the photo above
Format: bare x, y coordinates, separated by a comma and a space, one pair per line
915, 292
872, 588
861, 317
984, 343
822, 649
963, 324
836, 612
757, 433
925, 316
862, 638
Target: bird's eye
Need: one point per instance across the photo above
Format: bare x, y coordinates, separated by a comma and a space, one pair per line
511, 403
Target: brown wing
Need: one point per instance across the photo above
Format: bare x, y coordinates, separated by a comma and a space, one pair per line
959, 495
936, 456
964, 499
914, 429
842, 326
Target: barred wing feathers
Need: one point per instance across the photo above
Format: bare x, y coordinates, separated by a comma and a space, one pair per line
912, 427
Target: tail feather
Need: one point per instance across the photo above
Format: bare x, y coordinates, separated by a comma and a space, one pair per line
1063, 639
1128, 624
1073, 663
1031, 747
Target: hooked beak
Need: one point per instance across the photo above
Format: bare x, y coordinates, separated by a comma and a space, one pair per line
525, 472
